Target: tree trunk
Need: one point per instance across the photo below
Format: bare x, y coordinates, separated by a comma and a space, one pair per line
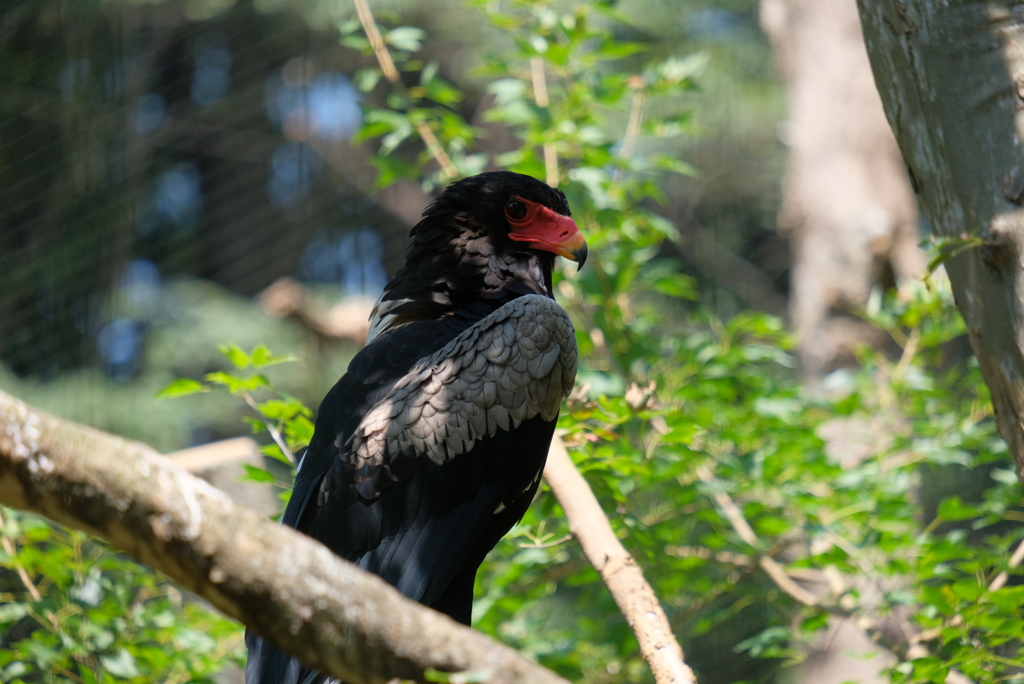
951, 77
847, 204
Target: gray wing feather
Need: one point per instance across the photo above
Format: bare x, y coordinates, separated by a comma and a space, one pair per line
516, 363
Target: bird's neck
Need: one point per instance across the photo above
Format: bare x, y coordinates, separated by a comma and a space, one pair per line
433, 285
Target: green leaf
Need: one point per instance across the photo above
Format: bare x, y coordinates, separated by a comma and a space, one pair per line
953, 509
764, 642
13, 671
257, 425
392, 169
1008, 599
235, 384
676, 285
367, 79
613, 50
408, 38
669, 163
390, 142
261, 357
1004, 476
351, 26
256, 474
675, 70
120, 665
781, 408
274, 451
507, 89
299, 429
443, 92
609, 10
222, 378
235, 355
276, 409
12, 612
182, 387
370, 130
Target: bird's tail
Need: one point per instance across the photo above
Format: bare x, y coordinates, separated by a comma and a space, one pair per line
269, 665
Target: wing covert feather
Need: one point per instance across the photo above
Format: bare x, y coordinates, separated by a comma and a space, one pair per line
516, 363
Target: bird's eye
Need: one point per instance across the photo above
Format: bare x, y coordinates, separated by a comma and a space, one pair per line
515, 210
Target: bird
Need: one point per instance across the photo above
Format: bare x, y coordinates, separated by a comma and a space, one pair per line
431, 446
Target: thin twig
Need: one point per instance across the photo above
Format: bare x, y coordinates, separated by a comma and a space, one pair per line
739, 523
908, 352
871, 572
69, 674
1000, 581
636, 117
387, 65
177, 674
25, 579
540, 96
540, 84
778, 574
272, 429
725, 557
551, 176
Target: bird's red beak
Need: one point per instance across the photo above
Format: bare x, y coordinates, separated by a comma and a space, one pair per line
550, 231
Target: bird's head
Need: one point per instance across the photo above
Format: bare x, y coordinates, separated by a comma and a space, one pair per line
493, 237
514, 212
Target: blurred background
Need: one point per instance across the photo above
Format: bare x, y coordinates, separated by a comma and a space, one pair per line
161, 164
180, 174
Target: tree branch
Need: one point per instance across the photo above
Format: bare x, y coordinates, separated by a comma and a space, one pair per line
282, 584
1000, 581
908, 647
770, 566
387, 66
622, 575
540, 96
8, 547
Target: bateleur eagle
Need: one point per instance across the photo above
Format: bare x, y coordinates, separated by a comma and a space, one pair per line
431, 447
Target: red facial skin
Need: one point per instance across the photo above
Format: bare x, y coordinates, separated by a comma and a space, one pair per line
545, 229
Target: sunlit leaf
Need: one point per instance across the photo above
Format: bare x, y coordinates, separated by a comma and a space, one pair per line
181, 387
257, 474
235, 355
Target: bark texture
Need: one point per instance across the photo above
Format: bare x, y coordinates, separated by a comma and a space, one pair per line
288, 588
847, 204
951, 77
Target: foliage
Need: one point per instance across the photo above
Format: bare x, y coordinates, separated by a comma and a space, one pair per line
835, 486
284, 417
691, 430
99, 617
889, 499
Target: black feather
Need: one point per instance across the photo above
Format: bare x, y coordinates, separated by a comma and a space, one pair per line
423, 527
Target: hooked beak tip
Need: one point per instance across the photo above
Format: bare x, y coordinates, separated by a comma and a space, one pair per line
580, 256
